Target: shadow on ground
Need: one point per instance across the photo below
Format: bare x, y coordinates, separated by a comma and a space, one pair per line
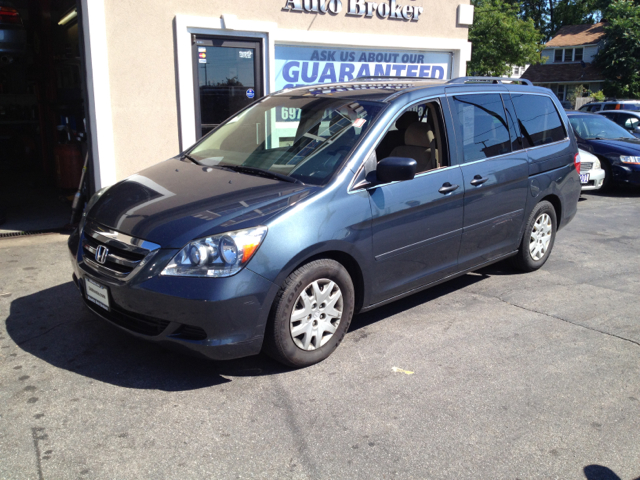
55, 326
598, 472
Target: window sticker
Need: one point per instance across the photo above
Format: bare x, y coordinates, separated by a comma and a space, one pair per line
359, 122
202, 49
245, 54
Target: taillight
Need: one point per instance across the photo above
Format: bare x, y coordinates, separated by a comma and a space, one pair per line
9, 15
576, 162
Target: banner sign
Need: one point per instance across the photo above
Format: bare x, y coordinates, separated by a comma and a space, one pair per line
388, 9
298, 66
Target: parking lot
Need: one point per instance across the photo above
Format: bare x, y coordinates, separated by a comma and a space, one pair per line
494, 375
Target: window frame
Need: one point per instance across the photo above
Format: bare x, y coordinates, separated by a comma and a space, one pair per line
460, 154
359, 182
562, 121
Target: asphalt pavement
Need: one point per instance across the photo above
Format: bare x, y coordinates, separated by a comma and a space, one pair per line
495, 375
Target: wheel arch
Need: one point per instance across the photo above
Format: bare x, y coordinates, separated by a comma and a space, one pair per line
555, 201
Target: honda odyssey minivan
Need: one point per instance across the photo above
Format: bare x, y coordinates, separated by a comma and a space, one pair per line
316, 203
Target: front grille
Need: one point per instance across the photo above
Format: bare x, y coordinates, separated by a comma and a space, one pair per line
190, 332
118, 260
138, 323
113, 253
584, 166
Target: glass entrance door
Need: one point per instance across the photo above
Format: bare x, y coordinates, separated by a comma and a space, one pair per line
228, 78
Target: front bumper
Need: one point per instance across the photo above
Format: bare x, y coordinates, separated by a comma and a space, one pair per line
628, 173
596, 178
216, 318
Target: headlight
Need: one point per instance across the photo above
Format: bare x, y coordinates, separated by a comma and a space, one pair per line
596, 163
216, 256
626, 159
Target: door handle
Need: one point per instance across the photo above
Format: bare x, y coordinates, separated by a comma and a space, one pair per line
478, 180
447, 188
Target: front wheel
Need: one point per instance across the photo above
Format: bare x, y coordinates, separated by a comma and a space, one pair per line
539, 236
311, 314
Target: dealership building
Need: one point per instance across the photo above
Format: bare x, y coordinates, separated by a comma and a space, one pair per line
134, 83
163, 73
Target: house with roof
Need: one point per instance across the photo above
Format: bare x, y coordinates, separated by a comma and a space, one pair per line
568, 60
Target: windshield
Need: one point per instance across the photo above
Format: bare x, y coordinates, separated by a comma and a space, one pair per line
304, 138
594, 127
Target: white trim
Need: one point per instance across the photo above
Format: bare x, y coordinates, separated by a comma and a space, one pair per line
99, 92
230, 25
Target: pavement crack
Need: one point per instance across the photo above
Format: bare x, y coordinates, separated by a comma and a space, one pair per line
47, 331
37, 435
563, 320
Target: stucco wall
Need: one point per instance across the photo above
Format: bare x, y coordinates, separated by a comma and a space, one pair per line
142, 60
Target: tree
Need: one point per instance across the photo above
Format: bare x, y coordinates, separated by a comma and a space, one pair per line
501, 39
619, 59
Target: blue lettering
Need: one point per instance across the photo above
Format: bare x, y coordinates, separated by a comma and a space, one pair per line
344, 56
288, 74
372, 57
314, 73
405, 58
412, 71
364, 71
315, 55
438, 72
346, 72
425, 71
328, 73
398, 69
352, 56
380, 72
420, 59
331, 56
363, 57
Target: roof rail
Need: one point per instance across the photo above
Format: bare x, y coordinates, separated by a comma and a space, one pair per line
386, 77
490, 80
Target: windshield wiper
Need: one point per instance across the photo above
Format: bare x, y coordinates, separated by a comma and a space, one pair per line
260, 172
189, 158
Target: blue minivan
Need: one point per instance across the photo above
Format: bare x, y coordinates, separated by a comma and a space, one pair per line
316, 203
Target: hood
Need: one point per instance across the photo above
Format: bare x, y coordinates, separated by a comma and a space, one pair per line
175, 202
623, 146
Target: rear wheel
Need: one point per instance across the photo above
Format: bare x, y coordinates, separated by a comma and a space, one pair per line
311, 314
539, 236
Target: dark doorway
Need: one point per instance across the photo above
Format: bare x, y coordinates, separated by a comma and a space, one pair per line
42, 133
228, 76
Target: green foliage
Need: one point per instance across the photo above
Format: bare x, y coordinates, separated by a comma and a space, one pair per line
501, 39
597, 96
620, 57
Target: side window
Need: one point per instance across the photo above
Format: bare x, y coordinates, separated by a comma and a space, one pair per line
418, 133
538, 119
514, 134
631, 123
481, 125
609, 106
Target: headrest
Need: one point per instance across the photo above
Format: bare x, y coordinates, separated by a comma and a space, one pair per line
418, 135
406, 119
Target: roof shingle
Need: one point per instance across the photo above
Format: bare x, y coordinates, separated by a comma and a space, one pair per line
572, 35
562, 72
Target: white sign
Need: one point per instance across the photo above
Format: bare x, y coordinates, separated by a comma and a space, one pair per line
297, 66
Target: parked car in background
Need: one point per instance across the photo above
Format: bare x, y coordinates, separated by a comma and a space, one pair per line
13, 35
627, 119
376, 189
617, 150
591, 172
566, 104
611, 105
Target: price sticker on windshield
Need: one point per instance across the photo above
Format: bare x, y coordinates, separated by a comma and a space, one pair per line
359, 122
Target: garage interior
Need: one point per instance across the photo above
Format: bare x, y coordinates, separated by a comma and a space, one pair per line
42, 111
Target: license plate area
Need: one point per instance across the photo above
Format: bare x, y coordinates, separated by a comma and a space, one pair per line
584, 178
96, 293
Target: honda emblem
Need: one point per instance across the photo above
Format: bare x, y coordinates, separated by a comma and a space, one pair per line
101, 254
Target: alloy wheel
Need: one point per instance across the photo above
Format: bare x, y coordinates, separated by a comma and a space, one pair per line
540, 237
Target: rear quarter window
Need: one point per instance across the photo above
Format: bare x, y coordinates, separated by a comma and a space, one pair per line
540, 122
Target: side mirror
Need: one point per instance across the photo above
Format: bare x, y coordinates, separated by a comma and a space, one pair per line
396, 169
637, 129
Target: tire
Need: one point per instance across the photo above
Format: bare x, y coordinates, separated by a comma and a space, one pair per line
538, 239
311, 314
